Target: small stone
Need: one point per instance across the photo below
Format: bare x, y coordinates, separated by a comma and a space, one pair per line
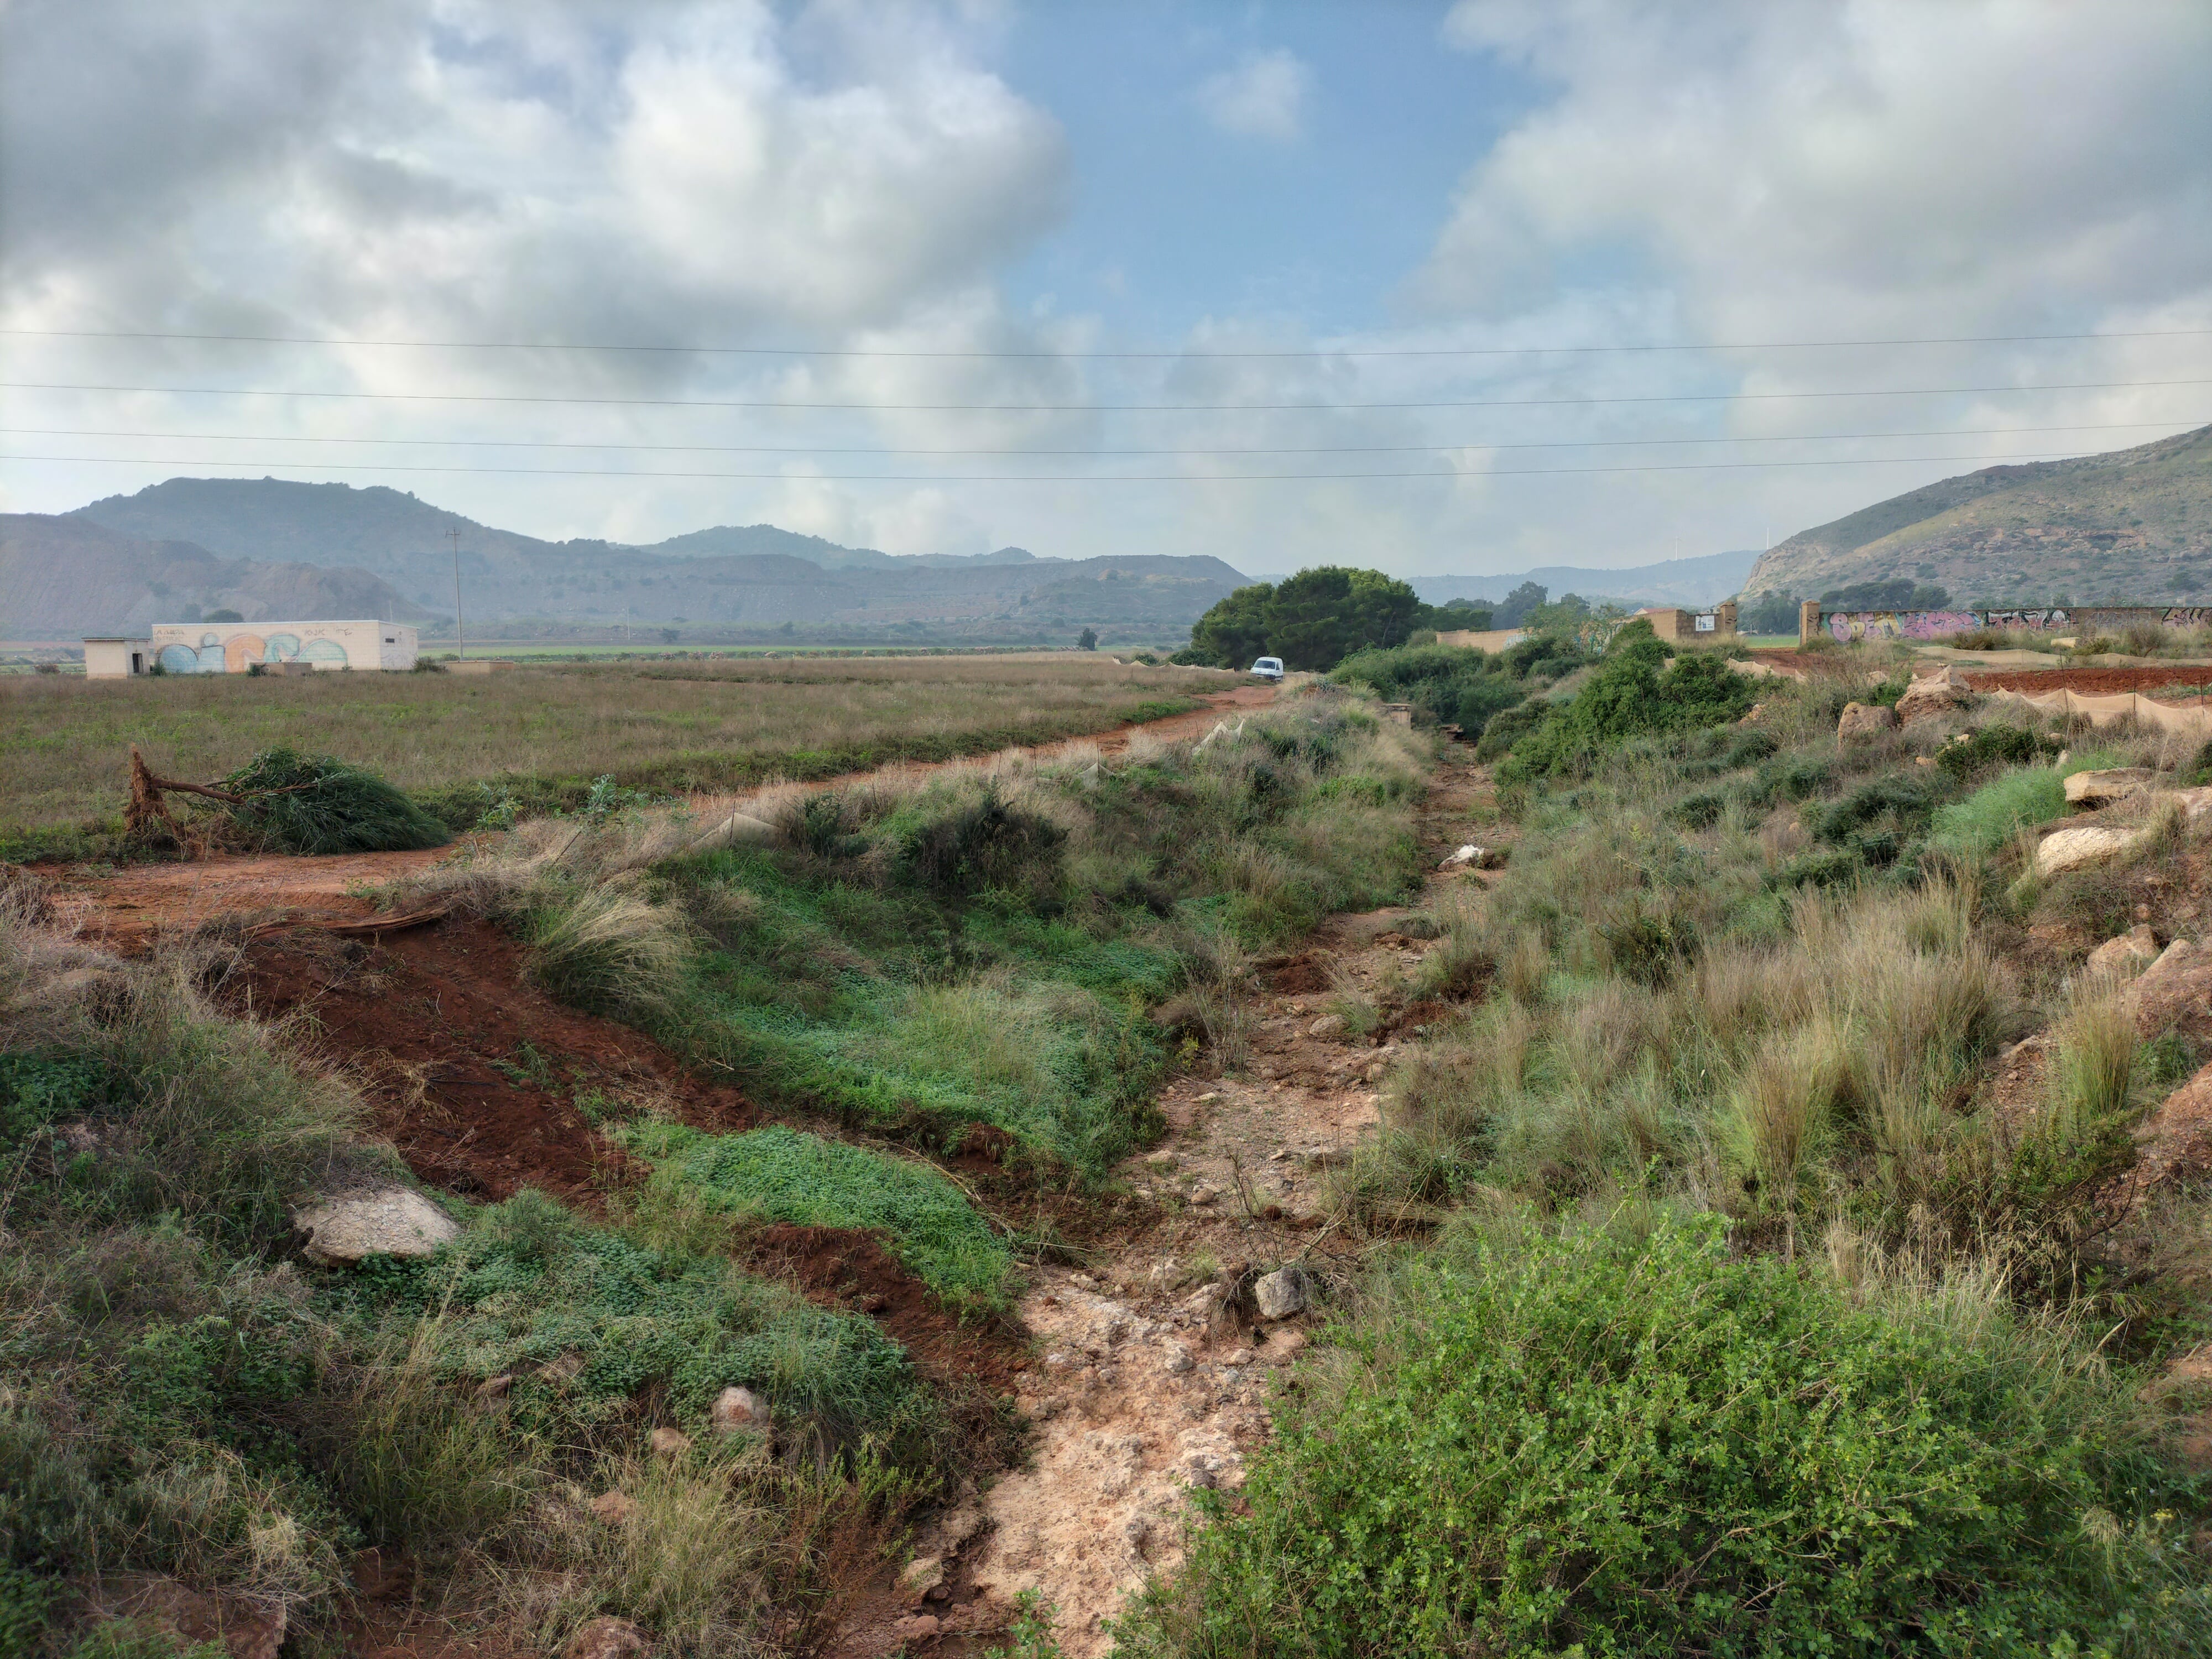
390, 1221
1329, 1026
1178, 1362
1863, 720
493, 1387
920, 1576
739, 1411
614, 1508
604, 1638
2136, 948
915, 1625
668, 1443
1203, 1194
1283, 1294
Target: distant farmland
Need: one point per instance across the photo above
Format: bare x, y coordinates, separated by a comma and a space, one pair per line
547, 731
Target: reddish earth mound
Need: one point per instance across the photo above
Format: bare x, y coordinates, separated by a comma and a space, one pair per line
2093, 682
482, 1082
839, 1267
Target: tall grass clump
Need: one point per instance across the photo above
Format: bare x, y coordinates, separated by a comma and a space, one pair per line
606, 949
1635, 1441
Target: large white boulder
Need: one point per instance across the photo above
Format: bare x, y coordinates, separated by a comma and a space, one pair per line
2090, 790
388, 1221
2076, 849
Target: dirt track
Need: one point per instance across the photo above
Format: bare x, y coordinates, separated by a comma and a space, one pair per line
124, 908
2095, 682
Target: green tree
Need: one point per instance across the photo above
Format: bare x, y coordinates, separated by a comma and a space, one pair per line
1087, 639
1529, 596
1235, 630
1312, 621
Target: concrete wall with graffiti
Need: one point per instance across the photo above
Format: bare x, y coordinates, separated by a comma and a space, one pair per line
1848, 625
234, 648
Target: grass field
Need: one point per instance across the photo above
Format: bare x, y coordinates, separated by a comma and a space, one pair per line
548, 731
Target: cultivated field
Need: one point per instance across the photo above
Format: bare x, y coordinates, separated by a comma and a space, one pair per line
552, 729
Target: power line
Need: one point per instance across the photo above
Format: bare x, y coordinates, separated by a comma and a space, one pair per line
1088, 409
1092, 356
1049, 477
1275, 449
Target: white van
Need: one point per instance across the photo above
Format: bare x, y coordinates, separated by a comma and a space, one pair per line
1268, 668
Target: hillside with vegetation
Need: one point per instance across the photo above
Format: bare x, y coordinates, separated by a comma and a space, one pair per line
728, 582
2130, 527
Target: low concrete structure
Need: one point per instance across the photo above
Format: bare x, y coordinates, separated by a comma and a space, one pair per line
1693, 627
1493, 638
234, 647
116, 656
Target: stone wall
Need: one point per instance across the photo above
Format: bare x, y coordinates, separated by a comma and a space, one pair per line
1845, 626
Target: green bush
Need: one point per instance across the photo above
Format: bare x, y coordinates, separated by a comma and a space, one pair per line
1629, 696
985, 844
1592, 1444
303, 804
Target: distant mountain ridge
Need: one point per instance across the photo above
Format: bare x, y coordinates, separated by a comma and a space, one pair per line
2131, 525
1701, 579
728, 577
62, 578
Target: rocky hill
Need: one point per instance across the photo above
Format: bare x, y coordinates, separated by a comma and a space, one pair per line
723, 579
2132, 525
63, 577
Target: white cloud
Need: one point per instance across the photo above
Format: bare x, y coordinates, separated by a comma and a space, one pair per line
1264, 96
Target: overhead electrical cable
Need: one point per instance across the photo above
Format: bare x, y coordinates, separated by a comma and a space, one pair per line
2183, 424
1201, 354
1045, 478
1087, 409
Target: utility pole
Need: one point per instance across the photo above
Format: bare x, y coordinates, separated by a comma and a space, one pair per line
460, 634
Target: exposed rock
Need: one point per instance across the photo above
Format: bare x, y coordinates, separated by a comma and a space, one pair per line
920, 1576
739, 1411
392, 1221
1329, 1026
1178, 1362
668, 1443
1283, 1293
915, 1625
604, 1637
2075, 849
956, 1529
1935, 695
2090, 790
2173, 994
2136, 948
495, 1388
614, 1508
1863, 720
1467, 856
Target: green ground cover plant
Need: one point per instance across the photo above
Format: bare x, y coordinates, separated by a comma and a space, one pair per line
1635, 1440
778, 1174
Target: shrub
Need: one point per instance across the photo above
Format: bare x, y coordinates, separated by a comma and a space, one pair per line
1601, 1444
302, 804
1629, 696
986, 844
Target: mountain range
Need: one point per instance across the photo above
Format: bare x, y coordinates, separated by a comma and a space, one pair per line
2131, 525
191, 544
1699, 580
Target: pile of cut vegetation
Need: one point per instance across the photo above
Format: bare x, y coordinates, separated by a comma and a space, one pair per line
316, 804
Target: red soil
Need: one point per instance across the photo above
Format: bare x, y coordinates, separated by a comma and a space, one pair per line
428, 1021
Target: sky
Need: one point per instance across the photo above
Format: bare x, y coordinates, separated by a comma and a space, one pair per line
1433, 287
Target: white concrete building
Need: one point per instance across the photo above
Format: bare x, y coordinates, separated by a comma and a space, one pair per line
116, 656
233, 648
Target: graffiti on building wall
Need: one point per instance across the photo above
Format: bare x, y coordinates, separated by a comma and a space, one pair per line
216, 654
1845, 626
